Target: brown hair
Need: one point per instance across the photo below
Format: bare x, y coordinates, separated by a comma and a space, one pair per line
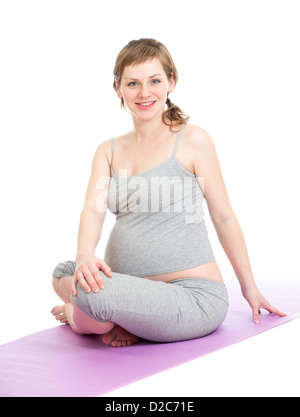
140, 51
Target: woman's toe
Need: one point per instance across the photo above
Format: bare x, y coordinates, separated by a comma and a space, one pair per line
57, 310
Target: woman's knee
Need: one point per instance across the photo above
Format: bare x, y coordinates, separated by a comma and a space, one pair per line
95, 304
64, 269
102, 304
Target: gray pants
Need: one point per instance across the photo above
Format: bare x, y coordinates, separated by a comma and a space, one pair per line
186, 308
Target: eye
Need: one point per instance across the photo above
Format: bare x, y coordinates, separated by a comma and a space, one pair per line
131, 84
155, 81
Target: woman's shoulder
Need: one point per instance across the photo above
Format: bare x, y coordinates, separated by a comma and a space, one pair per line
197, 137
108, 142
201, 147
105, 147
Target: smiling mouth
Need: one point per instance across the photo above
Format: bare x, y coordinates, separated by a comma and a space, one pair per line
146, 103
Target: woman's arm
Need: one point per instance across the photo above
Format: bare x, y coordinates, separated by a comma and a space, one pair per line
91, 223
232, 240
207, 167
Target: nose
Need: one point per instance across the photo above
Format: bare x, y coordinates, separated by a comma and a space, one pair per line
144, 91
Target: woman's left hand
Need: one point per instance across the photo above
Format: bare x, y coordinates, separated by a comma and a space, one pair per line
257, 301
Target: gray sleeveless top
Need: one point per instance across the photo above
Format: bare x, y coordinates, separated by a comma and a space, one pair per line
159, 225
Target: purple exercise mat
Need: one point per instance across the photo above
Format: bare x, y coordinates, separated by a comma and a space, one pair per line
57, 362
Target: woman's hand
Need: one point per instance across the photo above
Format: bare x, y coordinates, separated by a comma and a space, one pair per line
88, 275
257, 301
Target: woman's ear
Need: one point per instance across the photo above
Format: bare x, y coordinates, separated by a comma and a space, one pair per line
118, 89
171, 83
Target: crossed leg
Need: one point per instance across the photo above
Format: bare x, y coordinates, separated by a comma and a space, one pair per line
81, 323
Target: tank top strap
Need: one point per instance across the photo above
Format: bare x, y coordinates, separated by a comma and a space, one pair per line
112, 152
112, 146
177, 141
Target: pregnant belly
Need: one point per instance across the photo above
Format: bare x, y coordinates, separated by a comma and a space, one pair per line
160, 254
206, 271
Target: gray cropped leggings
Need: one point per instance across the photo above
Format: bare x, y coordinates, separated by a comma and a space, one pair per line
182, 309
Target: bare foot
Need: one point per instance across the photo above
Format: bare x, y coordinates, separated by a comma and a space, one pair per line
64, 314
59, 313
119, 337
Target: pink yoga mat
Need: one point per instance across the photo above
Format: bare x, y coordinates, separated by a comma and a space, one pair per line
57, 362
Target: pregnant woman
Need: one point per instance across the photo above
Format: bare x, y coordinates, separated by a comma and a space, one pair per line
159, 279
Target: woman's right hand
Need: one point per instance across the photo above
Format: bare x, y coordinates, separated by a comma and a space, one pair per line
88, 275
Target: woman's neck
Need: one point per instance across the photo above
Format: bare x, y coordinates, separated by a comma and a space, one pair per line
147, 131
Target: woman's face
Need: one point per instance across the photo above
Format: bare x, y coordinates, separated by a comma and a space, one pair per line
144, 88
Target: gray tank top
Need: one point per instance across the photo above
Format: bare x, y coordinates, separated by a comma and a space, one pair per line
159, 225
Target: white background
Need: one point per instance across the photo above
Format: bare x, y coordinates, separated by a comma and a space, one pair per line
238, 63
